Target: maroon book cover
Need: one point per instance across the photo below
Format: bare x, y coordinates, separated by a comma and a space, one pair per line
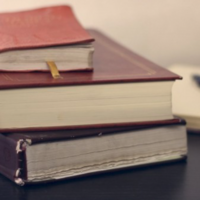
112, 64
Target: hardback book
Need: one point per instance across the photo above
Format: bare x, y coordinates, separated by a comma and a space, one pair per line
33, 157
30, 38
124, 88
186, 95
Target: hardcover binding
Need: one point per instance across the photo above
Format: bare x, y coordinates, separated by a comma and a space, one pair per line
112, 64
55, 135
80, 127
13, 145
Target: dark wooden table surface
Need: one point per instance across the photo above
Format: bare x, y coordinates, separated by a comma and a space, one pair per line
175, 181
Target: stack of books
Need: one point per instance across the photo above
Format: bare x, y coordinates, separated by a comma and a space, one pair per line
118, 115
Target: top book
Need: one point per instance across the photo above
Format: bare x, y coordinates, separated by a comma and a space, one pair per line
29, 38
123, 89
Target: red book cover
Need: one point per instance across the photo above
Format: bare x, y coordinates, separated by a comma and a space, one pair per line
41, 28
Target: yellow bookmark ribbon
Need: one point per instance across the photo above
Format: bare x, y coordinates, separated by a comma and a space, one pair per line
54, 70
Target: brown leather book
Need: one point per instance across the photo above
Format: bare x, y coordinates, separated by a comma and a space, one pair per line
123, 89
33, 157
29, 38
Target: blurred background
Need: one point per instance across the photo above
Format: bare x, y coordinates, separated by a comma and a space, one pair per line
166, 32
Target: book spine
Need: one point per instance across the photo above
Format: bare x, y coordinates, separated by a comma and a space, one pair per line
12, 159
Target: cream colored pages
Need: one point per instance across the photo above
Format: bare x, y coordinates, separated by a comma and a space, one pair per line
186, 95
67, 58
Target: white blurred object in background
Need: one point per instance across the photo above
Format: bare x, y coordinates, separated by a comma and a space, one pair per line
186, 95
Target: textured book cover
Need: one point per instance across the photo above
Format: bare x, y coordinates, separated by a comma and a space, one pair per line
112, 64
42, 27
